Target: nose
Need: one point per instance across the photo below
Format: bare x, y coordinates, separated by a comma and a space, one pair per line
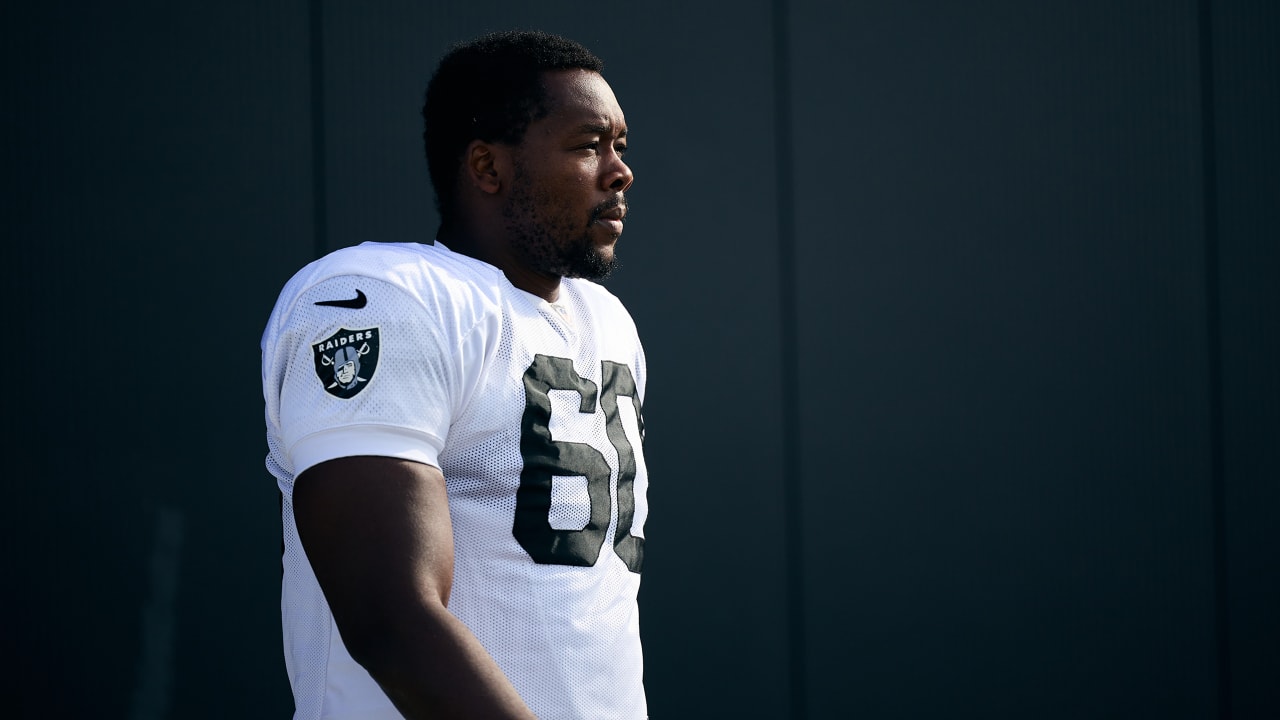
618, 177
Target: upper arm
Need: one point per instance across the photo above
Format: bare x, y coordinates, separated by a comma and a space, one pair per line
382, 379
377, 533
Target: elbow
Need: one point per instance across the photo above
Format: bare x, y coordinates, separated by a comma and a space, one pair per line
386, 641
369, 643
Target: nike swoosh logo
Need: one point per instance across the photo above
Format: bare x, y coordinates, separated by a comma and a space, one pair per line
354, 303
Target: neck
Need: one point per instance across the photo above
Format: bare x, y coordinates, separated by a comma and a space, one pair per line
499, 254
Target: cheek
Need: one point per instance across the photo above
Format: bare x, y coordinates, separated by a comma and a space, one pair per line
570, 189
581, 173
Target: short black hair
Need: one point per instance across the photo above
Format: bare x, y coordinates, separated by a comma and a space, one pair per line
490, 89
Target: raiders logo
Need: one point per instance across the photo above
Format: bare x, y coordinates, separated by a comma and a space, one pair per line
345, 361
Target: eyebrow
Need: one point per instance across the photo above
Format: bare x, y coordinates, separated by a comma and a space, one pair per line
594, 129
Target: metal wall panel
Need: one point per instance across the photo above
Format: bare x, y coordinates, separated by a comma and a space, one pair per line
1004, 358
1246, 64
157, 191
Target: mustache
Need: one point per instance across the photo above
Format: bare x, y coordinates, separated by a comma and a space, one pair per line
617, 201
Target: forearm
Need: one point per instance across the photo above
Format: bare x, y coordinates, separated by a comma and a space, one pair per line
433, 667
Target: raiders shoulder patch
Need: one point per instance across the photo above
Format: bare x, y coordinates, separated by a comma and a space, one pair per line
346, 361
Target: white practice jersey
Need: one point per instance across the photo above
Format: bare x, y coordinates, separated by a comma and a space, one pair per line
531, 411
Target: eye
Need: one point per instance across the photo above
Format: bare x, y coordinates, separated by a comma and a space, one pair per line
621, 149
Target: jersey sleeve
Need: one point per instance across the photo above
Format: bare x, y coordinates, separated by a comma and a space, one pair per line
360, 366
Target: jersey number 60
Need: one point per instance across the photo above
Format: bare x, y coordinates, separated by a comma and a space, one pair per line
545, 458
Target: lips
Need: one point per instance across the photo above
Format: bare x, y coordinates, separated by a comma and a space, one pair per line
612, 215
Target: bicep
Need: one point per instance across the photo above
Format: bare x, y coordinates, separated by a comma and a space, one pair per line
377, 533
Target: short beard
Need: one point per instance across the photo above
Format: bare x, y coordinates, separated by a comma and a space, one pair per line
589, 264
554, 248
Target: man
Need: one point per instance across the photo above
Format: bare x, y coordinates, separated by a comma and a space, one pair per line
455, 428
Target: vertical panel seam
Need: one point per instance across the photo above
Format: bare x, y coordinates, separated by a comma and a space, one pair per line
1212, 284
793, 477
319, 189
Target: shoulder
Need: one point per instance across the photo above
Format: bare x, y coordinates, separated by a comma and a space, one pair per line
597, 297
604, 306
406, 276
415, 268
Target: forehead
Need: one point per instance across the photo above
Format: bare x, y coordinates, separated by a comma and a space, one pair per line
577, 97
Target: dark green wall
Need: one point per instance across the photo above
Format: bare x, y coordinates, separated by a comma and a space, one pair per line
961, 323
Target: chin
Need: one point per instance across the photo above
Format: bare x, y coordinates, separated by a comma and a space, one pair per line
594, 264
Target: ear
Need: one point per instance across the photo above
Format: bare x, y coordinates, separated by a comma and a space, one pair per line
485, 166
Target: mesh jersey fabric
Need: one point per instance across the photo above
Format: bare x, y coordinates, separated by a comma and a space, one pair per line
533, 414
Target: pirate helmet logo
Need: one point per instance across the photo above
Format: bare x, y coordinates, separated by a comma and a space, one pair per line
346, 360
